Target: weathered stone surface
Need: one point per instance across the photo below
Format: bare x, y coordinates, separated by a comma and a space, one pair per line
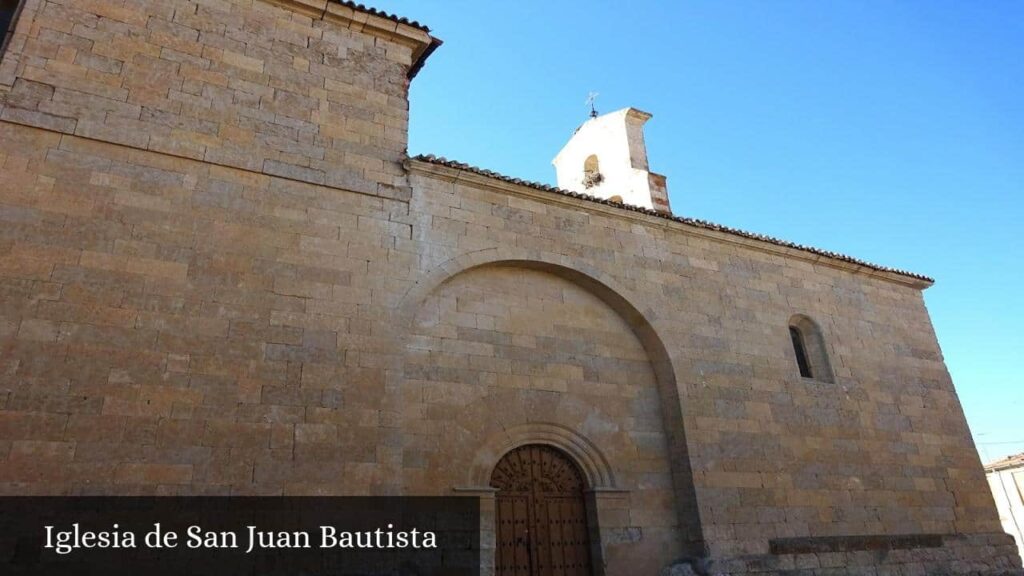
219, 274
265, 89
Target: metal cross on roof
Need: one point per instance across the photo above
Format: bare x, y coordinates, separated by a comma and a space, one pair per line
590, 102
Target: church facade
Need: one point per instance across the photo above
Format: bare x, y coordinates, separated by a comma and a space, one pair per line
222, 274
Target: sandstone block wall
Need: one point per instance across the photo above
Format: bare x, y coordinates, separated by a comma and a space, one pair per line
964, 554
243, 83
217, 276
501, 348
883, 450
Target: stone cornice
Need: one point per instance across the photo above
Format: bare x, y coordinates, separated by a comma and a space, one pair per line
441, 170
370, 21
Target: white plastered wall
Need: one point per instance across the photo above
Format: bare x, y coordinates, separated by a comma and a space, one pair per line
617, 139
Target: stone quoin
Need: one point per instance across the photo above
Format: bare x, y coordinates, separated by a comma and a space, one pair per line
222, 274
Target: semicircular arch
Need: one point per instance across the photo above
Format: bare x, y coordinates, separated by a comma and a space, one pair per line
592, 462
641, 321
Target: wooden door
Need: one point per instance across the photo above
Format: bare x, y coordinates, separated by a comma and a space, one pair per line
541, 514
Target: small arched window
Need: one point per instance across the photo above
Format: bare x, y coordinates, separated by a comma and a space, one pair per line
591, 172
809, 349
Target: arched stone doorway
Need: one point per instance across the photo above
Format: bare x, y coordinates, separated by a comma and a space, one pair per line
506, 347
541, 514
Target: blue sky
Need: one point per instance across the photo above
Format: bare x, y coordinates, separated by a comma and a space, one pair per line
891, 131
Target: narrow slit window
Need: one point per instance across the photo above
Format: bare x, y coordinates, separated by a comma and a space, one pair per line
8, 15
801, 352
810, 349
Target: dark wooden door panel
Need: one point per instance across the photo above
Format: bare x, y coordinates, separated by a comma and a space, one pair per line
513, 552
541, 514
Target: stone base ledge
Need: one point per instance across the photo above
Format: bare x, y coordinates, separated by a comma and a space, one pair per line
985, 554
822, 544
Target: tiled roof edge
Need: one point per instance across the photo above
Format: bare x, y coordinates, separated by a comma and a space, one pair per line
418, 64
1008, 462
442, 161
381, 14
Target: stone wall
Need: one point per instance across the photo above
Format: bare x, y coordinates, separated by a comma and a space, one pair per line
180, 315
884, 450
964, 554
501, 348
294, 92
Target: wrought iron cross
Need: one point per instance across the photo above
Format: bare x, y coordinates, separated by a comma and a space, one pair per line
590, 102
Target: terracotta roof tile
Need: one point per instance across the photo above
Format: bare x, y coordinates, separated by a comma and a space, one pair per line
381, 13
421, 59
441, 161
1008, 462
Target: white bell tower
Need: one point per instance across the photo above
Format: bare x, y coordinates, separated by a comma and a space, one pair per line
607, 158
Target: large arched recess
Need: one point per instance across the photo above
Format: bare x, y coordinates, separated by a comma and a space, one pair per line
641, 321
